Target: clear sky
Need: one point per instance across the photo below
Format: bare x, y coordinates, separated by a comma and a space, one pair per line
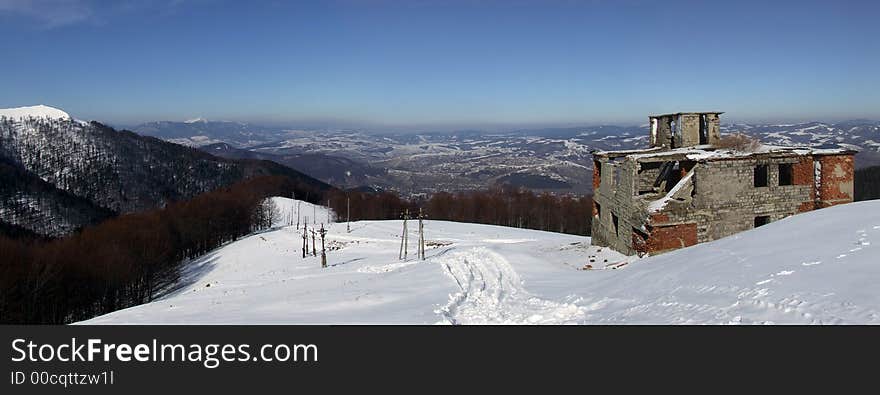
422, 62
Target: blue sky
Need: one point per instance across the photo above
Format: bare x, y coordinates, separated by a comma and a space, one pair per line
441, 63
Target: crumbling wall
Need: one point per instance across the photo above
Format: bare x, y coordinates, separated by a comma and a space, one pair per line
713, 124
835, 185
646, 176
664, 238
803, 173
616, 197
719, 201
597, 166
690, 130
725, 200
663, 135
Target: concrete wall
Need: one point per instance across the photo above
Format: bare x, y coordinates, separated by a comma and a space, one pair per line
663, 137
616, 197
727, 202
690, 130
713, 122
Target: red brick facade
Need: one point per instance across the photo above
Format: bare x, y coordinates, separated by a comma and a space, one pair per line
663, 238
836, 183
803, 173
597, 179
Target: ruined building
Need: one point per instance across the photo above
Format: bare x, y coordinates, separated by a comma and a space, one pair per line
686, 189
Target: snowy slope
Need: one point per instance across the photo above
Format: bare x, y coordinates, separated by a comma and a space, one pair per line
815, 268
39, 111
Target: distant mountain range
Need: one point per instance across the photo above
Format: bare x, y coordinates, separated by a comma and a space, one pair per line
551, 159
58, 174
198, 132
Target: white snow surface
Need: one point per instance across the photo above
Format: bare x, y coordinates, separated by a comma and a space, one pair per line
820, 267
39, 111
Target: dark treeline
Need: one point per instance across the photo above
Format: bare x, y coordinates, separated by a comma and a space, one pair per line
124, 261
867, 183
496, 206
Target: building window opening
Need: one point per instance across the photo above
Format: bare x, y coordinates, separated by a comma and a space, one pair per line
614, 223
762, 220
704, 130
785, 174
760, 176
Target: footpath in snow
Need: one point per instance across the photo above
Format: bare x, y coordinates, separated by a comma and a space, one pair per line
815, 268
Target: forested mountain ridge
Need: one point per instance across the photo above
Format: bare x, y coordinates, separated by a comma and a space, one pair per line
74, 165
867, 183
28, 202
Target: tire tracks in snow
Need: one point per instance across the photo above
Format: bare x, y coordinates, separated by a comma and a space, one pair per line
491, 292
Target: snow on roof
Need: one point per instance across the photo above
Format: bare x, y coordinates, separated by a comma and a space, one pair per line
39, 111
628, 152
700, 153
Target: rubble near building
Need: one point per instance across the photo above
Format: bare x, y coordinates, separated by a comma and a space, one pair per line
686, 189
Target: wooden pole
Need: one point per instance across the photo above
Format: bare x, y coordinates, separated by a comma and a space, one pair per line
314, 250
421, 235
305, 243
403, 237
323, 251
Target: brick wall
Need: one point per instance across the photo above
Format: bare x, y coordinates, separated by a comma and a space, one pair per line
836, 180
802, 171
664, 238
596, 180
724, 200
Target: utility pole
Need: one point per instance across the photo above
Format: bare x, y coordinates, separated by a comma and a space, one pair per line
323, 251
403, 237
305, 242
347, 214
314, 250
421, 235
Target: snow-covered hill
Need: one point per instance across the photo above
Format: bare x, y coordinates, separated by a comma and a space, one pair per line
816, 268
59, 174
38, 111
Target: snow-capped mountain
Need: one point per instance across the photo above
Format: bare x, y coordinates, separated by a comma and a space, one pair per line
863, 135
818, 267
61, 174
38, 111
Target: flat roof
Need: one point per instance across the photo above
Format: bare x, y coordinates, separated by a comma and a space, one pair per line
686, 113
708, 153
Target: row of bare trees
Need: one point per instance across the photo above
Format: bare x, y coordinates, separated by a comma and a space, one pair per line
126, 260
504, 206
